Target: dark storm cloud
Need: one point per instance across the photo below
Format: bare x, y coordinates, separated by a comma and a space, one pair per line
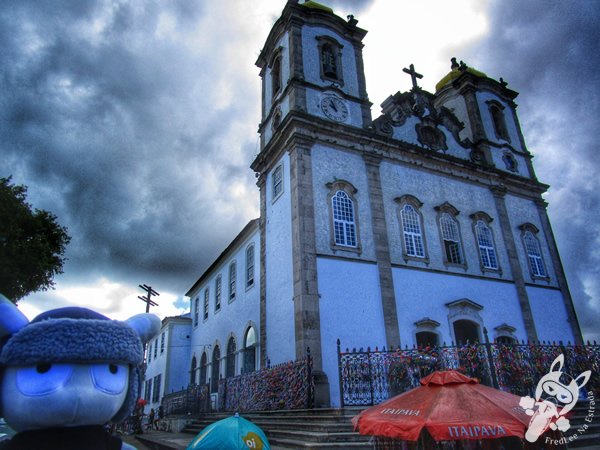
548, 51
97, 121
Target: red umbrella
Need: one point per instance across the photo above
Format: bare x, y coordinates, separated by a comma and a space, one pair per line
451, 406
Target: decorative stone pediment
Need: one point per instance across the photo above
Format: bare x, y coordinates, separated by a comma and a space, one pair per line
505, 328
431, 121
427, 324
464, 303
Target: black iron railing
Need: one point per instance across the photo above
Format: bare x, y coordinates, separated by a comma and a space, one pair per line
193, 400
368, 377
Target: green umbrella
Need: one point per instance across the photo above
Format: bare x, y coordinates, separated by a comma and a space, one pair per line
233, 433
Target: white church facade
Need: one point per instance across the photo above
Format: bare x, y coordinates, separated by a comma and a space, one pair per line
423, 225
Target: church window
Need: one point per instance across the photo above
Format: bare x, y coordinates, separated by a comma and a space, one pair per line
193, 372
162, 343
218, 293
484, 236
533, 250
499, 121
215, 369
277, 182
510, 162
206, 296
330, 54
150, 352
276, 76
203, 365
344, 232
196, 310
466, 331
505, 340
250, 266
249, 351
232, 279
344, 227
451, 241
486, 246
411, 225
230, 360
155, 348
427, 339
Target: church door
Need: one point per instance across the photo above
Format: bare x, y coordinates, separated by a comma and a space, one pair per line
466, 331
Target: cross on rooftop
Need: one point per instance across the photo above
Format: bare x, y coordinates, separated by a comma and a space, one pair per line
413, 75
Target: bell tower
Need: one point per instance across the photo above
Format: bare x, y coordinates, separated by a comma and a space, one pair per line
312, 65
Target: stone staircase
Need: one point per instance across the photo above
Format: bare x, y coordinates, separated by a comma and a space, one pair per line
585, 424
322, 429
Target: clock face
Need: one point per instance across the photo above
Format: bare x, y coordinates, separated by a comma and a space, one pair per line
334, 108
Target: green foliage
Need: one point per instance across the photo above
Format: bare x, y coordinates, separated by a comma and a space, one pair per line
32, 244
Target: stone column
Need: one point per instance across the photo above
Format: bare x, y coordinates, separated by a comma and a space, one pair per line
262, 224
499, 193
559, 271
307, 318
298, 93
382, 252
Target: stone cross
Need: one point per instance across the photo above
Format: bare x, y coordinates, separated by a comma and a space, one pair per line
413, 75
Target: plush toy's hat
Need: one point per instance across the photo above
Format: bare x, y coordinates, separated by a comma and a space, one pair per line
76, 335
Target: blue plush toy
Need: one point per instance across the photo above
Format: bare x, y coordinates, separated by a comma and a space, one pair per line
66, 374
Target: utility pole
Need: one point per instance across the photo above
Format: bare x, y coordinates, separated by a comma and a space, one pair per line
149, 302
147, 299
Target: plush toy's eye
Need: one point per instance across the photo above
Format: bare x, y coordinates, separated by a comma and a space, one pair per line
43, 378
43, 368
110, 378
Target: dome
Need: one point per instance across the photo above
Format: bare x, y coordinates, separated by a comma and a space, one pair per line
457, 71
315, 5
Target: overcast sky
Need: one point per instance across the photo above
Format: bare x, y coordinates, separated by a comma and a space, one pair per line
135, 123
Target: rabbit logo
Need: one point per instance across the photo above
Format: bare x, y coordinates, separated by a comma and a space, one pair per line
553, 399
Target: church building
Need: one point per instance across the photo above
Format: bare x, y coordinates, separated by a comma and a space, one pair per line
424, 225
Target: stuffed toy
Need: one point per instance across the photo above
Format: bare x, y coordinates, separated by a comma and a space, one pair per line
68, 373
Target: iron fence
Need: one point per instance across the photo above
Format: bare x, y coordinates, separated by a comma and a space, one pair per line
284, 386
193, 400
372, 376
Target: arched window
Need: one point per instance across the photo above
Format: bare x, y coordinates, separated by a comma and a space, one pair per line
215, 369
203, 365
330, 54
450, 233
250, 266
232, 280
488, 258
411, 224
329, 61
249, 351
344, 232
193, 372
497, 113
218, 284
534, 255
206, 296
276, 76
230, 360
344, 226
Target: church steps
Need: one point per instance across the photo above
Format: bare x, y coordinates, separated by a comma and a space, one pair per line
319, 428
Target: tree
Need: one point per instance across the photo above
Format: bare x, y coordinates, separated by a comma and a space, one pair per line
32, 244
